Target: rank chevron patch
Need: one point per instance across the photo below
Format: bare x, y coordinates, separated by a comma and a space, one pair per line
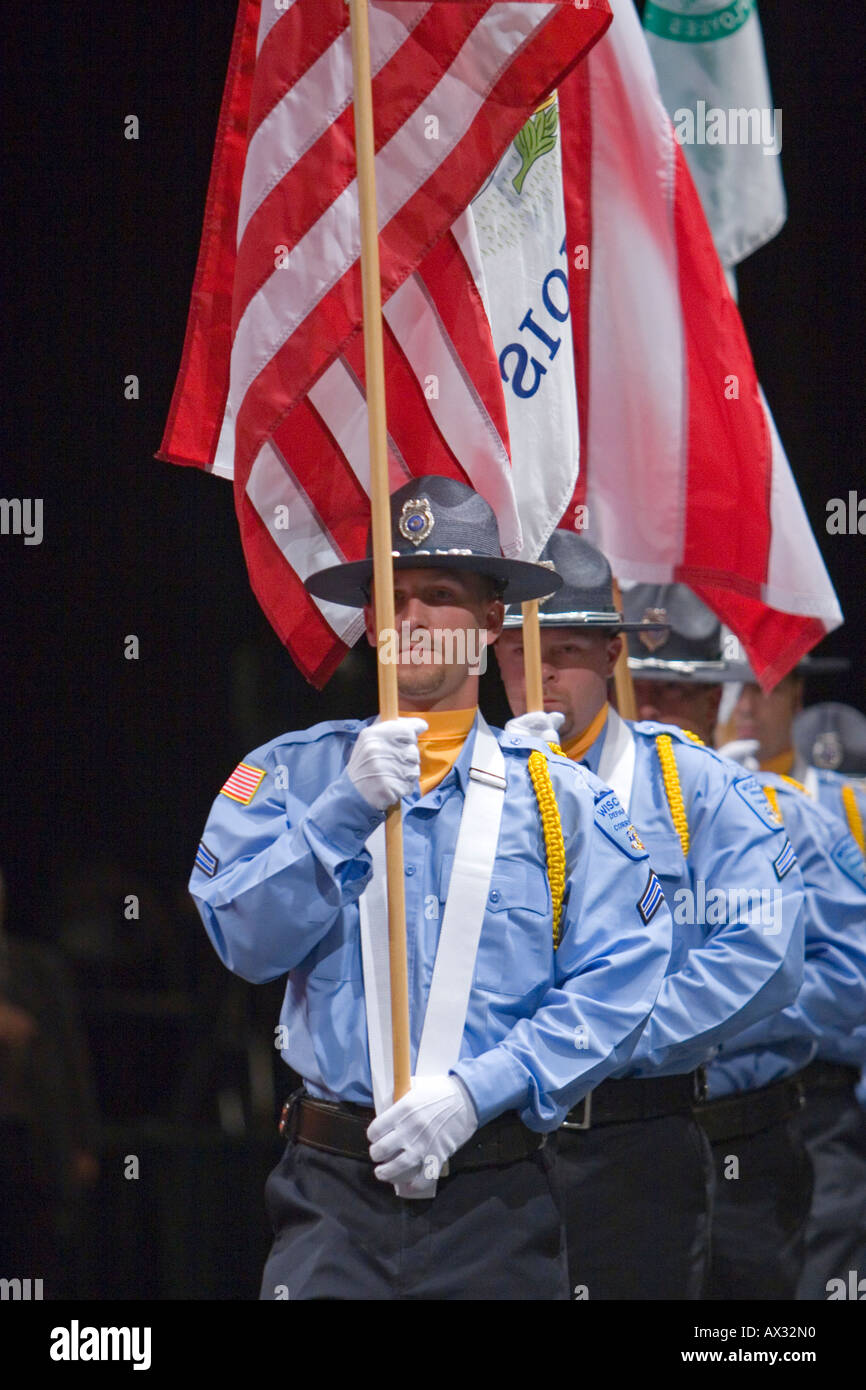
651, 901
204, 860
785, 861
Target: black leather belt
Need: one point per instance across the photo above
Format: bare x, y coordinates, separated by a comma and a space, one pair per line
735, 1117
637, 1098
341, 1128
829, 1076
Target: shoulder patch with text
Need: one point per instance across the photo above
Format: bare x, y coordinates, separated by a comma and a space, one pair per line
243, 783
756, 799
848, 857
611, 818
651, 900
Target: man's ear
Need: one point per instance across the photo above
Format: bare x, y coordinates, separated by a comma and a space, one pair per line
613, 649
494, 617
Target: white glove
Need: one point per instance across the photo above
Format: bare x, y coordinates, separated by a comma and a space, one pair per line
742, 751
414, 1137
540, 723
385, 762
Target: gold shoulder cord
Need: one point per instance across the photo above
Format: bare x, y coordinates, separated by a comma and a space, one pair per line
673, 791
553, 841
770, 794
853, 816
794, 783
694, 737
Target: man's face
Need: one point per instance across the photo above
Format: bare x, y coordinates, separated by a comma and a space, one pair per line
768, 718
688, 704
443, 619
575, 668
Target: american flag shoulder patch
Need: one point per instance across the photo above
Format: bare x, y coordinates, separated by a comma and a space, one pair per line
243, 783
649, 904
785, 860
204, 860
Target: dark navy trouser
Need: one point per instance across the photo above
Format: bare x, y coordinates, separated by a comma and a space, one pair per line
833, 1125
636, 1202
489, 1233
759, 1216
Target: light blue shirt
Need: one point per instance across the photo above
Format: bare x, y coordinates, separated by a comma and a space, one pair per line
828, 1018
736, 902
829, 789
277, 883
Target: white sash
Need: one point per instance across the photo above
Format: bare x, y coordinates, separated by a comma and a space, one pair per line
616, 768
448, 1001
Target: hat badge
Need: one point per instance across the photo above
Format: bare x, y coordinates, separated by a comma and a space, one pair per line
653, 640
416, 520
827, 750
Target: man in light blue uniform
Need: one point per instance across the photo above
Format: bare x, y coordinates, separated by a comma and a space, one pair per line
555, 1003
709, 830
831, 739
830, 745
816, 755
764, 1176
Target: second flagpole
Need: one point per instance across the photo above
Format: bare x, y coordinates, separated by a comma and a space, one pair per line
383, 575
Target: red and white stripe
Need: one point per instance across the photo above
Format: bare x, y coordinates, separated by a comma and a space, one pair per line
271, 386
243, 783
683, 471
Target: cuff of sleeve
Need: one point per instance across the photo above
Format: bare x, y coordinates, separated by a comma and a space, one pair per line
495, 1081
341, 820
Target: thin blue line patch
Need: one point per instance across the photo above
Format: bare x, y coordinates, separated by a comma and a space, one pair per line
204, 860
785, 861
651, 901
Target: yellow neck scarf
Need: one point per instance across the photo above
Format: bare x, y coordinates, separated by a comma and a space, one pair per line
440, 745
782, 763
581, 745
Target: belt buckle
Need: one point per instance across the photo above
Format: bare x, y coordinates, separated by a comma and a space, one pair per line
702, 1090
586, 1122
289, 1107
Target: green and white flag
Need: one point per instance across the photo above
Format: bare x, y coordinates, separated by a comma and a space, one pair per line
709, 58
519, 218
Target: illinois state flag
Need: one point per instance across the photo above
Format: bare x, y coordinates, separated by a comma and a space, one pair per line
683, 474
271, 384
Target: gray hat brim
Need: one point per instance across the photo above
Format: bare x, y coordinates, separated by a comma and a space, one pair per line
699, 672
349, 584
589, 620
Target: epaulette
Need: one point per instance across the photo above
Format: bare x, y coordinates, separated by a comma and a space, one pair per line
792, 781
315, 733
651, 728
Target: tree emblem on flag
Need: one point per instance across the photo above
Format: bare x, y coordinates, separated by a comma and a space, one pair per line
536, 138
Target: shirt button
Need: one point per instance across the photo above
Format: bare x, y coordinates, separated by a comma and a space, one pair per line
494, 895
410, 869
515, 738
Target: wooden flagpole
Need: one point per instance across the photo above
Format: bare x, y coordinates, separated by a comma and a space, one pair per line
532, 656
383, 574
626, 703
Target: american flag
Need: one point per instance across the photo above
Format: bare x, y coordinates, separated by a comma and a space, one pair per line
683, 472
271, 384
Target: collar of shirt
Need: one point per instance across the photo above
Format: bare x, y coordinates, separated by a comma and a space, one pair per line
449, 729
782, 763
597, 732
442, 743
